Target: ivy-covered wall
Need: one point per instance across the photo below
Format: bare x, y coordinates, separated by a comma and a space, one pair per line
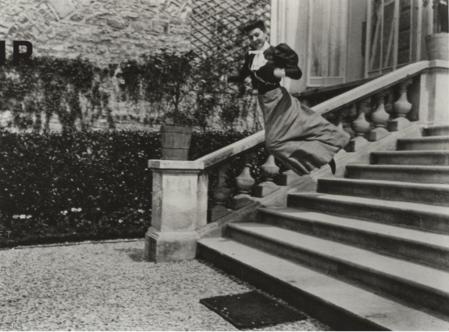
53, 94
112, 49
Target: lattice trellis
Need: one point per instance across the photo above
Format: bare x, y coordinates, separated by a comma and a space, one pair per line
216, 23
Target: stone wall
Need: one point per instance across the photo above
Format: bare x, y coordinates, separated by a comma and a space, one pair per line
103, 31
113, 31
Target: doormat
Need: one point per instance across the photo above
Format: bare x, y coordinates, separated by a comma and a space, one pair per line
251, 310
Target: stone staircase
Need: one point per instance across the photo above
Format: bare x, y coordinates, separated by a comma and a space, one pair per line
368, 251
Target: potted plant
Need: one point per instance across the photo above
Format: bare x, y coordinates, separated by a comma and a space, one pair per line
194, 90
437, 43
167, 77
176, 132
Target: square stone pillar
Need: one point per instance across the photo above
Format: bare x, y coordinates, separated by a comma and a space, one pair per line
179, 208
433, 94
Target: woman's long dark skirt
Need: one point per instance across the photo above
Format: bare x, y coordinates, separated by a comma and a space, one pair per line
299, 137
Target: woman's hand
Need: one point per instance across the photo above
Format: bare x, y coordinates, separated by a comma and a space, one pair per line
279, 72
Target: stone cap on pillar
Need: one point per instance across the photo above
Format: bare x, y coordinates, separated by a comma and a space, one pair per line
181, 165
438, 64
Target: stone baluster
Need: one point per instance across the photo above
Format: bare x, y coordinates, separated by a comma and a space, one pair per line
348, 116
270, 170
380, 119
389, 97
401, 108
345, 118
221, 194
245, 183
360, 126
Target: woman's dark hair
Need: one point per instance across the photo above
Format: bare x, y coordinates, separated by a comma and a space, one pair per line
247, 28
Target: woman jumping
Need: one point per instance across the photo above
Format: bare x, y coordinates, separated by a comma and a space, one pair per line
296, 135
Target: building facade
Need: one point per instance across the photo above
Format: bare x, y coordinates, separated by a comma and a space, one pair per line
348, 40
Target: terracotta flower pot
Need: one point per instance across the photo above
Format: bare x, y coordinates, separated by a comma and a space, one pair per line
175, 141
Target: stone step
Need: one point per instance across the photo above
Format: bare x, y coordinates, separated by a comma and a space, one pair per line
436, 131
422, 174
437, 194
437, 157
425, 217
422, 247
420, 285
424, 143
339, 304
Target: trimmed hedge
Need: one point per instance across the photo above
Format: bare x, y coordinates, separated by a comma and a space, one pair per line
79, 186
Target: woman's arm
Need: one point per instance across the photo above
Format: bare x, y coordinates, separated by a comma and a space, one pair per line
291, 72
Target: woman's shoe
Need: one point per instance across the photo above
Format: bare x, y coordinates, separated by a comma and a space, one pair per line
333, 166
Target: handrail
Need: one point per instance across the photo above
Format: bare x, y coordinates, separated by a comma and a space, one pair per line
329, 105
378, 84
233, 149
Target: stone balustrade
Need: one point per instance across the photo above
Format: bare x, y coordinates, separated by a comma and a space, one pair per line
187, 195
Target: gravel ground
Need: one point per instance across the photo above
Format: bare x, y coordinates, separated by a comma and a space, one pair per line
108, 286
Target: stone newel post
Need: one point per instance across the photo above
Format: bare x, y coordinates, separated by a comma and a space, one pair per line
179, 208
433, 94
